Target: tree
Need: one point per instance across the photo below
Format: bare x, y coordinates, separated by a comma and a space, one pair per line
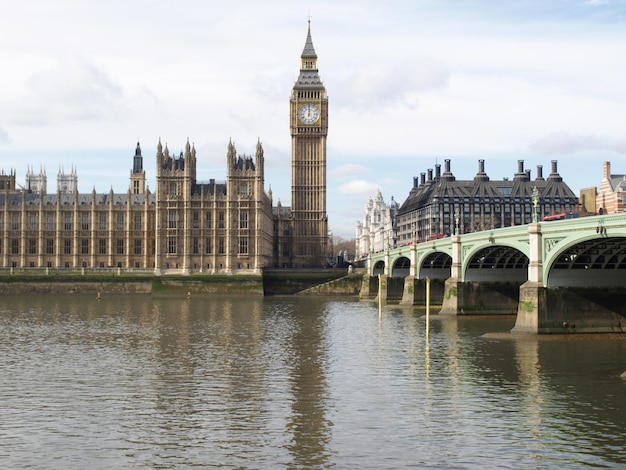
342, 245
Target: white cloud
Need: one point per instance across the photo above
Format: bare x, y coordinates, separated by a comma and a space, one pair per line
567, 143
348, 171
70, 91
379, 85
357, 187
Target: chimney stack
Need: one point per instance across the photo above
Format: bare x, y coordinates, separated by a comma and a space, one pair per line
540, 172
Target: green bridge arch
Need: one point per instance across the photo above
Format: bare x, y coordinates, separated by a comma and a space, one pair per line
557, 238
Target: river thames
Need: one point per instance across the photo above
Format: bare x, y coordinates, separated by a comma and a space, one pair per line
295, 382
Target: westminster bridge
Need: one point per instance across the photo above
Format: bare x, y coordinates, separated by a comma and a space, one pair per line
561, 276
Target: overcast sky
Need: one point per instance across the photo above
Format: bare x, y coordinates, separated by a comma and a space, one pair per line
410, 83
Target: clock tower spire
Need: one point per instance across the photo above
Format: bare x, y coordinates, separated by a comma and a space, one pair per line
309, 127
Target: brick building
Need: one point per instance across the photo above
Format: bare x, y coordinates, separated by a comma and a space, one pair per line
611, 195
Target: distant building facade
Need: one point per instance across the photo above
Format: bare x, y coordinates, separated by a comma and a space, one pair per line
37, 183
611, 195
438, 204
378, 230
185, 226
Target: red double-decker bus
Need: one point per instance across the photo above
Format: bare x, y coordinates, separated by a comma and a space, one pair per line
560, 216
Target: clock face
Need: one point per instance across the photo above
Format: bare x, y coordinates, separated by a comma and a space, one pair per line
308, 114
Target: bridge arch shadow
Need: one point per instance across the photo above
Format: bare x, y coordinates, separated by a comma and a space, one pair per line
436, 265
379, 268
496, 263
596, 262
401, 267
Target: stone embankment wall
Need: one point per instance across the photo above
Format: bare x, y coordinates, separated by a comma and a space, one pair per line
305, 283
154, 286
292, 281
346, 286
240, 286
38, 287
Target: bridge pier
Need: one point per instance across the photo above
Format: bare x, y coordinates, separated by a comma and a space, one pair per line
453, 287
567, 310
479, 298
415, 291
381, 287
532, 295
366, 286
451, 304
533, 306
408, 295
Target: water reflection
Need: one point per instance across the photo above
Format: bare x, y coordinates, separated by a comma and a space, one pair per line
129, 382
306, 360
530, 385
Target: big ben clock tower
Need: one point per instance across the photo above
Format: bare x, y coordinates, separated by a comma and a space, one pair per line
308, 117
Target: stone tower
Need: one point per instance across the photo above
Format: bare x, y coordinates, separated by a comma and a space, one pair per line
175, 178
308, 120
138, 174
36, 183
245, 209
67, 183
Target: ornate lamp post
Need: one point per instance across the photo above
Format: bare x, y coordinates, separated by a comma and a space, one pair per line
535, 197
457, 217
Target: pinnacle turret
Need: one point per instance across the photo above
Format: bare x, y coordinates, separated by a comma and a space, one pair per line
309, 50
309, 76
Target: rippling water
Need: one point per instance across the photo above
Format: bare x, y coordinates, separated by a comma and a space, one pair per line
137, 382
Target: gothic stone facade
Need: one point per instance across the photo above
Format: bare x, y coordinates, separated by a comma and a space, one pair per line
378, 231
185, 226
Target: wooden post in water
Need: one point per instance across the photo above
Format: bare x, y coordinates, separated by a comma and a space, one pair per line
380, 295
427, 307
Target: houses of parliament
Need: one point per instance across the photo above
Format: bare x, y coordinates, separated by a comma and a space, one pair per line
185, 226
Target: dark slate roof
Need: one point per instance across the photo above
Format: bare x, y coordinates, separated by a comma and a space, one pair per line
309, 79
211, 188
309, 50
174, 163
616, 180
244, 163
481, 187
